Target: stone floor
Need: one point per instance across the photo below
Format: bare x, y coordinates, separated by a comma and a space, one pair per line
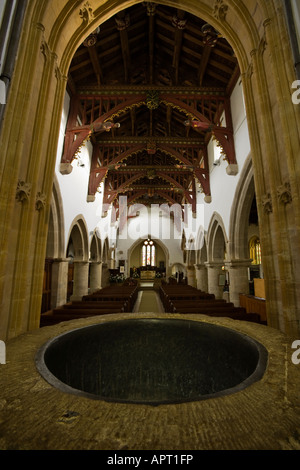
36, 416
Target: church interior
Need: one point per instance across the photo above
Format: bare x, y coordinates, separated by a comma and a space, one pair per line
150, 225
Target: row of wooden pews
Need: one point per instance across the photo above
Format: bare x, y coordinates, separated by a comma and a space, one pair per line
185, 299
110, 299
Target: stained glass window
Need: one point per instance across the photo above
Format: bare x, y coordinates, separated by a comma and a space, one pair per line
153, 255
148, 253
255, 250
144, 255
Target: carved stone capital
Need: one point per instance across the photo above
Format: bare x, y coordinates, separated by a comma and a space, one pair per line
86, 13
284, 193
267, 203
23, 191
220, 10
40, 201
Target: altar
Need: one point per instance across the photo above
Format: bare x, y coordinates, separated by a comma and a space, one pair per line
147, 275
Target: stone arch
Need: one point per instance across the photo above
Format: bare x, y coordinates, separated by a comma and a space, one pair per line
95, 265
239, 217
216, 250
95, 247
78, 243
105, 251
77, 253
200, 244
105, 262
55, 274
52, 32
56, 230
158, 242
178, 267
217, 240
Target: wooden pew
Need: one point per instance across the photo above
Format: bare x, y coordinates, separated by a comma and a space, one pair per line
88, 305
58, 315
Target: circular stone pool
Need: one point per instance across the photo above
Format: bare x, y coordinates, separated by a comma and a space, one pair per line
152, 361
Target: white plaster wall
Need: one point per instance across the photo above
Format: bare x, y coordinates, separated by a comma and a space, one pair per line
74, 189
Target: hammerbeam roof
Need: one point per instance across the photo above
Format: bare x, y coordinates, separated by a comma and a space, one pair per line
149, 89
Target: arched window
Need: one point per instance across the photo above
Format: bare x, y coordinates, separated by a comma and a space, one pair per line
255, 250
148, 253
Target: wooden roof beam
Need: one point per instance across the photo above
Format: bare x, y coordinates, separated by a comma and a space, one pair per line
179, 24
123, 21
203, 64
151, 48
96, 64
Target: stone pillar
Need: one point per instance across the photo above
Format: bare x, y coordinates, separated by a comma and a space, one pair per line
59, 284
95, 276
191, 276
201, 277
81, 280
213, 272
238, 279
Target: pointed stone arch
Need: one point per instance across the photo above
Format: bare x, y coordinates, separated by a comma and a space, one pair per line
95, 247
78, 234
52, 32
95, 268
156, 241
217, 240
240, 211
56, 265
56, 228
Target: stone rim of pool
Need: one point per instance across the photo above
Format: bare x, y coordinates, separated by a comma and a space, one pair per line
64, 379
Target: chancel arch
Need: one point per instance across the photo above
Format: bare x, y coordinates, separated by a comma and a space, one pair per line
161, 258
52, 32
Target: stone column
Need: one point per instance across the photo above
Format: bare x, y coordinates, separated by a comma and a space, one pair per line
201, 277
238, 279
213, 272
95, 276
191, 276
81, 280
59, 283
